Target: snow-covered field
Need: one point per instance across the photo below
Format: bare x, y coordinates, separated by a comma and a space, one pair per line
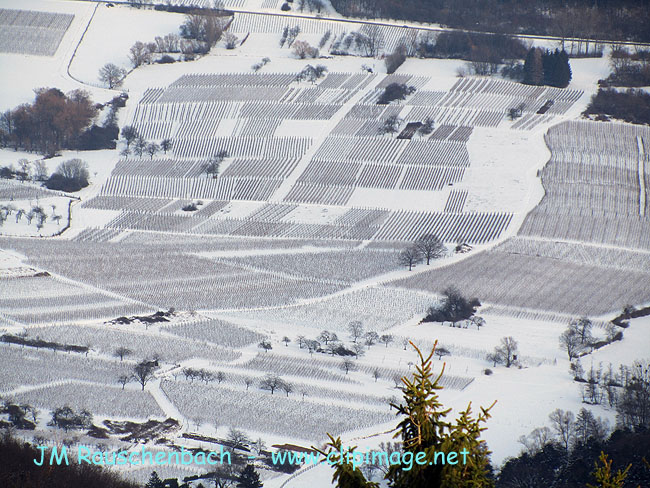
300, 233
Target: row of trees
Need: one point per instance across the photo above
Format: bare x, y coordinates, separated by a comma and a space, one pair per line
329, 342
137, 144
426, 248
205, 25
27, 170
368, 41
36, 214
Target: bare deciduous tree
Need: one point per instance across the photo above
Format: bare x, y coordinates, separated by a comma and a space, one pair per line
477, 321
386, 339
430, 247
166, 145
286, 387
536, 440
442, 351
123, 379
570, 342
583, 325
152, 148
302, 49
371, 338
129, 134
139, 54
356, 329
230, 40
143, 372
348, 365
139, 146
507, 351
121, 352
112, 75
238, 439
563, 425
271, 382
410, 257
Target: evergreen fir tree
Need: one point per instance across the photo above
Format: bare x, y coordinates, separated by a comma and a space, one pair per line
563, 73
154, 481
533, 67
425, 429
249, 478
345, 475
605, 477
549, 66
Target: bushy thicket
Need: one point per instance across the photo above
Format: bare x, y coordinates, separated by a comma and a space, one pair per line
454, 307
628, 69
395, 91
631, 105
71, 175
395, 59
493, 48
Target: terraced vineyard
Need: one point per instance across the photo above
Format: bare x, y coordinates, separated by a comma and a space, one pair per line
563, 259
31, 32
250, 119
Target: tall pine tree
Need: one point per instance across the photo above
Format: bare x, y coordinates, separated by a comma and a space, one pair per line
425, 429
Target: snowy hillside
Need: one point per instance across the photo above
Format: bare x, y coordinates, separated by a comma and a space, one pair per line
256, 214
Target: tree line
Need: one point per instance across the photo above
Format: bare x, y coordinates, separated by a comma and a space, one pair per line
605, 19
